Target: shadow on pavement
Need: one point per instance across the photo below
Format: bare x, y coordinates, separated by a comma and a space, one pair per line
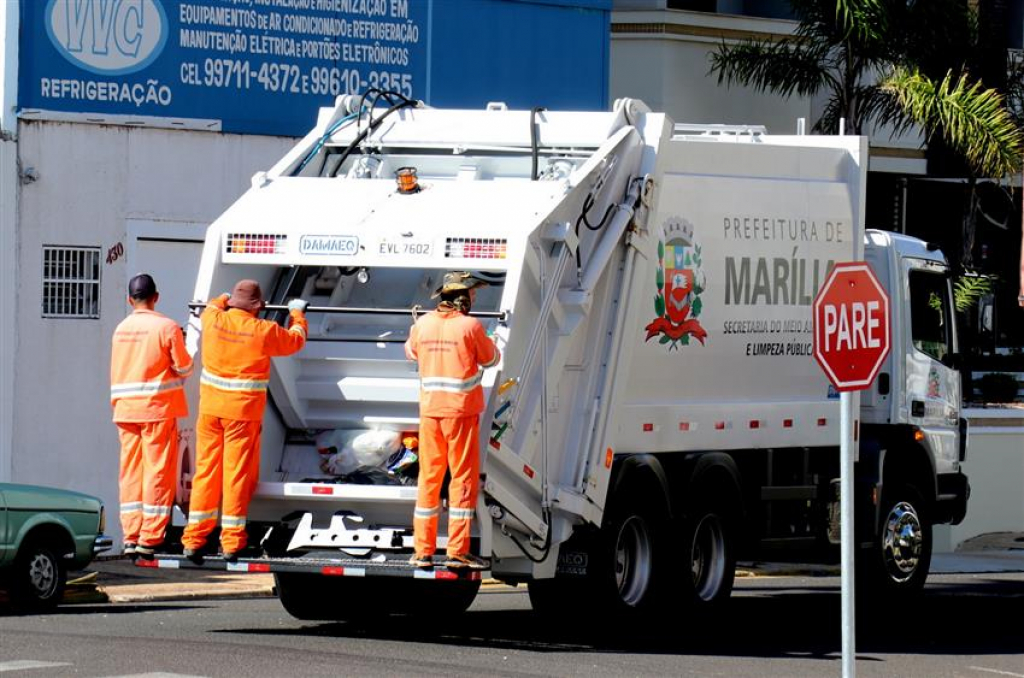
73, 610
977, 617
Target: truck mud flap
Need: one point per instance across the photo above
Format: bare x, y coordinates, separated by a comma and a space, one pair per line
334, 567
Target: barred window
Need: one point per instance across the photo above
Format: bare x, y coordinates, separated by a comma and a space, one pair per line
71, 282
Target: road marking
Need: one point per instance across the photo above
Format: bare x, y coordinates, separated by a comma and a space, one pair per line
996, 671
159, 675
25, 664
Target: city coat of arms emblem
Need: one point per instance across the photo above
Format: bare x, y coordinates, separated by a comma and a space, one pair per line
680, 282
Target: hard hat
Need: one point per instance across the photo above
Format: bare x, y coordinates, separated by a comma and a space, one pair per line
457, 280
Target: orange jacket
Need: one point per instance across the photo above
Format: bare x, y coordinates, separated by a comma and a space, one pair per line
148, 367
450, 348
237, 347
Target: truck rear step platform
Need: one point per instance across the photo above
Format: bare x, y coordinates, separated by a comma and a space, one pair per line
335, 567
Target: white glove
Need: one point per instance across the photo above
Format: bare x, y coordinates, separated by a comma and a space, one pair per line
298, 305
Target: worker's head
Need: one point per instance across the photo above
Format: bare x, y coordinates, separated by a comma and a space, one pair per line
458, 289
247, 296
142, 291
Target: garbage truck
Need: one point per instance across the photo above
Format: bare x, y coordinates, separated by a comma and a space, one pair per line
657, 413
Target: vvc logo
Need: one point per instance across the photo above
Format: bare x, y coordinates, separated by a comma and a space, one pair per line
109, 37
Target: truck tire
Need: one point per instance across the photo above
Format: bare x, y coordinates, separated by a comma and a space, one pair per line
315, 597
437, 598
901, 554
38, 577
628, 571
709, 555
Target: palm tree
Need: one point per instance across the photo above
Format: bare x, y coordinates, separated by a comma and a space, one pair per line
886, 62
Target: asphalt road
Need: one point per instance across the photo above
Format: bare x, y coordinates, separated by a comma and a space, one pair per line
965, 625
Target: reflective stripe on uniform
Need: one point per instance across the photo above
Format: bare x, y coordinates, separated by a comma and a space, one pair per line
151, 510
144, 388
131, 506
199, 516
183, 371
461, 513
226, 384
425, 513
451, 385
232, 521
493, 361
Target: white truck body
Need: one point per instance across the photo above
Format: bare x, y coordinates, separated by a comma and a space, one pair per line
652, 300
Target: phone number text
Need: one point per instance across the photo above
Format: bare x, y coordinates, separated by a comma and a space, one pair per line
290, 78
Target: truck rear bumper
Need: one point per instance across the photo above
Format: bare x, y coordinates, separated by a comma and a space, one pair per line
332, 567
951, 502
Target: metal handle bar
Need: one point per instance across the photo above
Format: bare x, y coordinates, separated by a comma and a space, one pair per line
500, 315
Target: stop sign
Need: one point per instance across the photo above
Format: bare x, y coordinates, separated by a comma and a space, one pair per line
851, 326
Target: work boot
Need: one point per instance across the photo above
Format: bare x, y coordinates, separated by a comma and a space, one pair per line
145, 552
193, 556
422, 562
466, 561
129, 550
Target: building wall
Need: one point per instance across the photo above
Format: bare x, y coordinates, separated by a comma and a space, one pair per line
8, 225
995, 468
95, 184
663, 58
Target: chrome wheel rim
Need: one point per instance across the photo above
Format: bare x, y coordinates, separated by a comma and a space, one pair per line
902, 541
42, 575
633, 560
707, 557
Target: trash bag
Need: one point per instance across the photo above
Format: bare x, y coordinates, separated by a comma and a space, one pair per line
372, 448
336, 454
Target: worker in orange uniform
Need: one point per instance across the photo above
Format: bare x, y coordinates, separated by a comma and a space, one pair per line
451, 348
148, 368
237, 347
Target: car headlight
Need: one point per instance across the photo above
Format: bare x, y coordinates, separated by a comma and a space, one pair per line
103, 519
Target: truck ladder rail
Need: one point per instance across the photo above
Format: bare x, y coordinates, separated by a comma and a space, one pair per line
328, 566
500, 315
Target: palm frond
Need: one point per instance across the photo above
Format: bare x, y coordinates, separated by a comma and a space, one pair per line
783, 67
971, 119
969, 288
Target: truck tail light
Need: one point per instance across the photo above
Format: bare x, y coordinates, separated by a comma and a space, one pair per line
255, 243
476, 248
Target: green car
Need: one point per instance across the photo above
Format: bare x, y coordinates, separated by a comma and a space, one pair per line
44, 534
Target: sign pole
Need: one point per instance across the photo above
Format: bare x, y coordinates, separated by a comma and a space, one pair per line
847, 403
851, 340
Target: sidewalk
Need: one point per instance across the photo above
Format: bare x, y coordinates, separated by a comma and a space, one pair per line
115, 579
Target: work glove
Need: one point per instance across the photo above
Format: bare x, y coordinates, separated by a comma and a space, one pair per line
298, 305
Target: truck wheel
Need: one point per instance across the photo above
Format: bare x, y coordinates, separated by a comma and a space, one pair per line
315, 597
628, 568
901, 556
709, 555
38, 578
439, 598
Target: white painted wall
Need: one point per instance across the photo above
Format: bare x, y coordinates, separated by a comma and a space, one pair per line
100, 186
664, 61
8, 226
995, 468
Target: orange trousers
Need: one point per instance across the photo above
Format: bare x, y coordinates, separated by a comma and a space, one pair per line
227, 470
447, 443
149, 471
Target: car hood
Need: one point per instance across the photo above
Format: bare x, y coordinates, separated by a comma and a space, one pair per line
35, 497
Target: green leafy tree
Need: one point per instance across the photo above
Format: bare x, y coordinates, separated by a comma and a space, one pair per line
886, 62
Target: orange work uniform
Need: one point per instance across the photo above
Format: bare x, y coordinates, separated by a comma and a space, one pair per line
237, 347
148, 368
451, 348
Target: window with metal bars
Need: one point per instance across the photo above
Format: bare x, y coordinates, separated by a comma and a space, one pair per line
71, 282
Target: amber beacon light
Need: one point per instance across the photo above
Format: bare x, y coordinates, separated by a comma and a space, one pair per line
407, 180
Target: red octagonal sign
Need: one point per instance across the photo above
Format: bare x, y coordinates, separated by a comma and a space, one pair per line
851, 326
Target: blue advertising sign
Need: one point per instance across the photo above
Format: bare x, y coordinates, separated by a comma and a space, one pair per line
257, 66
